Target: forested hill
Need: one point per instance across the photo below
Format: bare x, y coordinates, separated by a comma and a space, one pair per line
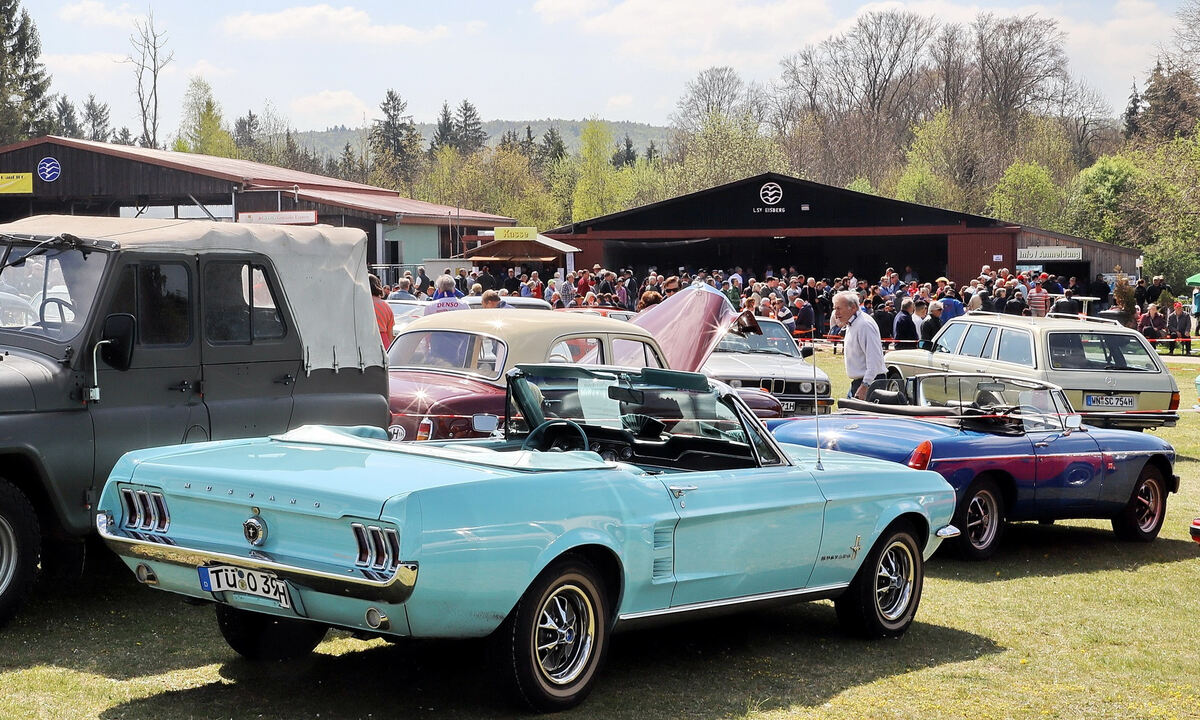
330, 142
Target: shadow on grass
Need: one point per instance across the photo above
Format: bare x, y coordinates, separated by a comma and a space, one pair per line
715, 668
108, 624
1033, 550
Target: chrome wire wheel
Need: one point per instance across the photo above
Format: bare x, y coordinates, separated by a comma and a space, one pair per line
983, 519
8, 554
565, 633
1147, 506
894, 580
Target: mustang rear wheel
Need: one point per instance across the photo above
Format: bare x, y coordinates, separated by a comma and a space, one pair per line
550, 648
980, 515
1143, 516
258, 636
882, 600
20, 547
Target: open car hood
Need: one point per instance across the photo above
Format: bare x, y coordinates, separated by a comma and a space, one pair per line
689, 324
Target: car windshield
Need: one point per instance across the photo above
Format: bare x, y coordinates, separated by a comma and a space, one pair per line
774, 340
47, 289
469, 352
646, 404
1099, 351
1035, 404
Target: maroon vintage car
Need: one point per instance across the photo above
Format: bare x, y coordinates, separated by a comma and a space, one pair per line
446, 367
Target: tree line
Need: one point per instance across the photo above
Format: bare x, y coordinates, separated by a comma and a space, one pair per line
981, 117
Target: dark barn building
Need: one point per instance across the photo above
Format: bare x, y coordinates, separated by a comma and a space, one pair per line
773, 220
80, 177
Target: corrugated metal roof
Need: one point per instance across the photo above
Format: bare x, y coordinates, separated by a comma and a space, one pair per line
255, 175
393, 204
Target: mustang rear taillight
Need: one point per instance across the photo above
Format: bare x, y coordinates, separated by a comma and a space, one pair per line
1174, 401
425, 429
378, 548
919, 459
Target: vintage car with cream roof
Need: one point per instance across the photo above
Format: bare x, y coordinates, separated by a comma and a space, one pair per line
528, 537
446, 367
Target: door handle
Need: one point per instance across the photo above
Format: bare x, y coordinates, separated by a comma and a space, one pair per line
679, 490
183, 386
1042, 443
285, 380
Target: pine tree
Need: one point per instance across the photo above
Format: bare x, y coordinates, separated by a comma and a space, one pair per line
123, 137
551, 150
95, 120
245, 131
66, 123
528, 146
443, 134
1172, 102
510, 141
349, 165
24, 85
626, 154
1132, 111
396, 143
651, 152
468, 128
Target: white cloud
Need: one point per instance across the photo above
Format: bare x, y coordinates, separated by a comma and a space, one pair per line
475, 27
553, 11
750, 36
329, 107
207, 70
93, 12
324, 22
87, 64
620, 102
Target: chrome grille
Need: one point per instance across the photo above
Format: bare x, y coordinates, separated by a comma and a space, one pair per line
378, 548
145, 511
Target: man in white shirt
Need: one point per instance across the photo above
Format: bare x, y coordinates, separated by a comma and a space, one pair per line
863, 346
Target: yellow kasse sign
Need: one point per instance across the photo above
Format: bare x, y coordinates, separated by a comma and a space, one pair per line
516, 233
16, 183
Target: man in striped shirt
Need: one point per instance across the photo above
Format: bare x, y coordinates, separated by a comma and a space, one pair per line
1039, 299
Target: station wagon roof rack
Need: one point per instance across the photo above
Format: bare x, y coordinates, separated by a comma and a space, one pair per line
1085, 318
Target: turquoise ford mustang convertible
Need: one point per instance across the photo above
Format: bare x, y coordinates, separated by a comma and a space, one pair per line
609, 496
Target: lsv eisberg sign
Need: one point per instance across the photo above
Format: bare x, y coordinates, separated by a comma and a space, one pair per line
770, 194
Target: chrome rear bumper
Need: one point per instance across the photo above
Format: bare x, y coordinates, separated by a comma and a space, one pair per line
395, 587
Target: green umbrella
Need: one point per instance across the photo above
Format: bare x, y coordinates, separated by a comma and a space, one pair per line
1194, 281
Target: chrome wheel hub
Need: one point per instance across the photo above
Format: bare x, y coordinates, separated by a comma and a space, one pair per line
565, 633
983, 519
8, 554
894, 581
1147, 506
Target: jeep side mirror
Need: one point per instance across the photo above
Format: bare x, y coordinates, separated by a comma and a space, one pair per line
806, 351
120, 329
484, 423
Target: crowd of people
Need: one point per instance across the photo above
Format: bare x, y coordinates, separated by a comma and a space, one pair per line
905, 308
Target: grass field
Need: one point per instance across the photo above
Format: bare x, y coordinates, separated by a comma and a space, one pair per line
1065, 622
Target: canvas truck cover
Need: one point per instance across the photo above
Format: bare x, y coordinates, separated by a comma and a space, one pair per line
323, 271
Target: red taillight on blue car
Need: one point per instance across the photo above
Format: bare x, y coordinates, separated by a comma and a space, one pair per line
919, 459
425, 429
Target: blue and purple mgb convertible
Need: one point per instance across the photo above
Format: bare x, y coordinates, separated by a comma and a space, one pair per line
606, 496
1013, 449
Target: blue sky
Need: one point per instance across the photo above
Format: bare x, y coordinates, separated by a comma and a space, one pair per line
327, 64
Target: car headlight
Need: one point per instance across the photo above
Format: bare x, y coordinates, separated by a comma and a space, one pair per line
735, 383
805, 387
822, 388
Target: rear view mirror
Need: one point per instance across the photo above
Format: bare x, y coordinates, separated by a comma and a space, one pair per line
806, 351
626, 395
120, 329
484, 422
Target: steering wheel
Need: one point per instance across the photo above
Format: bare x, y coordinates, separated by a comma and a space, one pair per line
541, 429
62, 310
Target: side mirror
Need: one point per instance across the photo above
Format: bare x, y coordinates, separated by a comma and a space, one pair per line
120, 329
925, 345
1074, 422
484, 422
806, 351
